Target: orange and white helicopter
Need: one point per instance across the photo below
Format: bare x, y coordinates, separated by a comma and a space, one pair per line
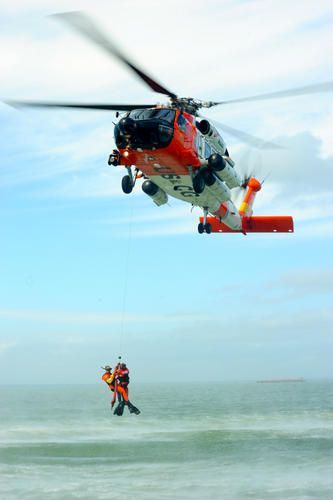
177, 152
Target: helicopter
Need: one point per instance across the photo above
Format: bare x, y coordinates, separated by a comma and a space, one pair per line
176, 151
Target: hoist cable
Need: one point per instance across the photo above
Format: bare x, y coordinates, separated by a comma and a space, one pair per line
127, 265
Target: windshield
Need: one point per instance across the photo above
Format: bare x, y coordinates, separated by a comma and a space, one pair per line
157, 113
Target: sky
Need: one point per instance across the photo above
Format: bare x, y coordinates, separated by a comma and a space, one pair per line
88, 274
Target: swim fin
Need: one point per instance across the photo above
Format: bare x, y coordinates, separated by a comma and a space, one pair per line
133, 409
119, 409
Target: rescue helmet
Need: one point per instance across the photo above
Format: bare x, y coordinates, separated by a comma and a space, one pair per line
107, 368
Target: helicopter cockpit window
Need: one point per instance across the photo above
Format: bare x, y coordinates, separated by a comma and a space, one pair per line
208, 150
181, 122
145, 128
157, 113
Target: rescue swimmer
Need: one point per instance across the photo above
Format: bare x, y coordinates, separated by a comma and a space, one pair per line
118, 381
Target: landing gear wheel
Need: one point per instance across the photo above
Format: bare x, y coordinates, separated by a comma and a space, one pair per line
198, 183
208, 228
126, 184
200, 228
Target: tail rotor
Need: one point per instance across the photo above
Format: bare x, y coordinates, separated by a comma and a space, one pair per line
250, 166
240, 191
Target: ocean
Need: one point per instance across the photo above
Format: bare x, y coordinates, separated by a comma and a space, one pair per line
191, 441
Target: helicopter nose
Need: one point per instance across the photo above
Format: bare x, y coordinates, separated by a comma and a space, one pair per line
127, 125
142, 133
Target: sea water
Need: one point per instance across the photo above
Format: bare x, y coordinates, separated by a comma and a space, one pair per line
199, 441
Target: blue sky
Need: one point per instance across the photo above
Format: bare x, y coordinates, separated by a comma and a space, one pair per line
88, 273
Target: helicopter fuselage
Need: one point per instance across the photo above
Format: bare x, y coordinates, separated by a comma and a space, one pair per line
178, 153
170, 147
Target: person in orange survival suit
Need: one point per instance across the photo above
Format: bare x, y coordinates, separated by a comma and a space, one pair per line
122, 376
109, 378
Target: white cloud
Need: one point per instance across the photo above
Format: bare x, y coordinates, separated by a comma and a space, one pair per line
181, 227
311, 281
299, 183
148, 220
259, 42
93, 317
323, 130
98, 184
4, 346
88, 146
318, 229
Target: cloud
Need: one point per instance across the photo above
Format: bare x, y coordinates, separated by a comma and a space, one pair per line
312, 281
299, 167
298, 183
320, 229
278, 292
295, 325
173, 219
4, 346
276, 36
98, 184
323, 130
281, 326
93, 317
166, 229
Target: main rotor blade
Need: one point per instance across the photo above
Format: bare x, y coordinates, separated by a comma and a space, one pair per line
84, 25
309, 89
252, 140
102, 107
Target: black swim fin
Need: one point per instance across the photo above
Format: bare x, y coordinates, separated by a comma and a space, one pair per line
133, 409
119, 409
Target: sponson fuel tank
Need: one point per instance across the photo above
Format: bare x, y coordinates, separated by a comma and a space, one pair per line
223, 168
157, 194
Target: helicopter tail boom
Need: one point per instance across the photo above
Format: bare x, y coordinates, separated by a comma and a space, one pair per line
244, 222
255, 224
